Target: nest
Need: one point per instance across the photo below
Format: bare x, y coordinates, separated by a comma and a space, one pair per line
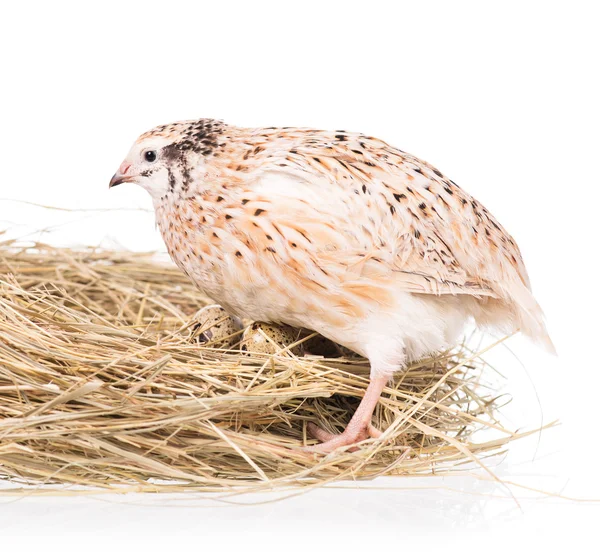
103, 385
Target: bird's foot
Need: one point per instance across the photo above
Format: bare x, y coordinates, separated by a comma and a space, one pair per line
353, 434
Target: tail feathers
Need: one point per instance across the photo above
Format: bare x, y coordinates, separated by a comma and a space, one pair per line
532, 325
529, 314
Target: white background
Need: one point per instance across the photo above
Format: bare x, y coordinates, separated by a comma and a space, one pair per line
503, 98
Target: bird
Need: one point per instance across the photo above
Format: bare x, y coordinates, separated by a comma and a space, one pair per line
337, 232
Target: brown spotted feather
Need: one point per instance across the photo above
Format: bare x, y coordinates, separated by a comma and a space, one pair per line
336, 231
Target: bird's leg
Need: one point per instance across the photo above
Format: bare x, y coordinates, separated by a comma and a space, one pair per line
359, 428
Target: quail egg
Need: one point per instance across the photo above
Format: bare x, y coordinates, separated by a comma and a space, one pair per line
216, 328
270, 338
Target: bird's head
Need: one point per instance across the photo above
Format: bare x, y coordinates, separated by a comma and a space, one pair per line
167, 159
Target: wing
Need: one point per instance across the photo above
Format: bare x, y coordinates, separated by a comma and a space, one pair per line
396, 207
371, 209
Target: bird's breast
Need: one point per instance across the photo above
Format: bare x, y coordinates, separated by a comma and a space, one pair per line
185, 231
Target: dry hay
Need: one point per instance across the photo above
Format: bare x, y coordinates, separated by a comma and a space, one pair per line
103, 385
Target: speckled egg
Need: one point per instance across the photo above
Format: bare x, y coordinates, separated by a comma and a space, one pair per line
319, 345
215, 327
269, 338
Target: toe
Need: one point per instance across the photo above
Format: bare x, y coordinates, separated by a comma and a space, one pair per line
331, 442
318, 433
373, 432
353, 434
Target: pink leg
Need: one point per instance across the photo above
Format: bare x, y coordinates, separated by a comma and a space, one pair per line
359, 428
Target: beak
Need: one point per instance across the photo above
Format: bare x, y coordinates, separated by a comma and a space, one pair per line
118, 178
121, 175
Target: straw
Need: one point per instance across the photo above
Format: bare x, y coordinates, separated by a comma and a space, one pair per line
103, 384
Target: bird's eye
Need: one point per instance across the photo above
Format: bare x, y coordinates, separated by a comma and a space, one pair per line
150, 155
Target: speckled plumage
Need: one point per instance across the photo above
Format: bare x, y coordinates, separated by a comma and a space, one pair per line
333, 231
